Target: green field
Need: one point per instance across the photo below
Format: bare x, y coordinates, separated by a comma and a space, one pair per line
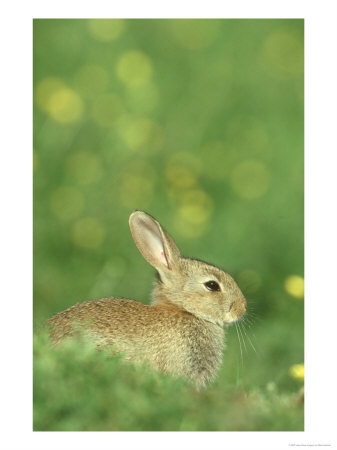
199, 123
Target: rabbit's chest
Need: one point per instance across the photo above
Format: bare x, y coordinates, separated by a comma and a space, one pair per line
195, 354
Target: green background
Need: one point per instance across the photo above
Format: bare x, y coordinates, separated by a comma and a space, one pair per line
200, 123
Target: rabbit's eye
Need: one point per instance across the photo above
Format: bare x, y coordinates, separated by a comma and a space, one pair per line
212, 285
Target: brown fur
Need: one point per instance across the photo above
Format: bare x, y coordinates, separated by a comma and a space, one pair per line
181, 332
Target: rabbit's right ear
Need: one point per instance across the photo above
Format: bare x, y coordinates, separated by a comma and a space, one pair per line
157, 247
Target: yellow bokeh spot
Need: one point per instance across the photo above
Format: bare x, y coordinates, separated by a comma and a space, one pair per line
91, 80
193, 205
143, 99
134, 68
62, 103
137, 185
106, 30
106, 109
45, 89
296, 371
85, 167
66, 202
88, 232
141, 133
196, 206
249, 280
188, 230
181, 173
294, 286
283, 53
194, 34
250, 179
65, 106
193, 213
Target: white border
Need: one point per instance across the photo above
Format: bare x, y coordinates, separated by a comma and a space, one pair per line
321, 224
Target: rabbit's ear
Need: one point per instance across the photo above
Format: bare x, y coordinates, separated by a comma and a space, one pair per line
152, 241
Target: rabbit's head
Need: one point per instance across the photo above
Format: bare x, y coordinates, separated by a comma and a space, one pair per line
201, 289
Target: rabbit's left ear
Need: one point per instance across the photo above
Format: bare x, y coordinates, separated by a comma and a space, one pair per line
156, 246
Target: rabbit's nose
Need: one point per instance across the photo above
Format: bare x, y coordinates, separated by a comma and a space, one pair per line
243, 306
238, 307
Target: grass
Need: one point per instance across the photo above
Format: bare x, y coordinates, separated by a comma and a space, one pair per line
77, 388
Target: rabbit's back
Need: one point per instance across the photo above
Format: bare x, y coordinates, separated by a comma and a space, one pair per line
109, 317
170, 339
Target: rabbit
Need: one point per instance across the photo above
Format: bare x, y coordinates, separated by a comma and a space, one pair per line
182, 332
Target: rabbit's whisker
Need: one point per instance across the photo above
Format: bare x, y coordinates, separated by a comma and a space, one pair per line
243, 338
239, 342
250, 341
249, 322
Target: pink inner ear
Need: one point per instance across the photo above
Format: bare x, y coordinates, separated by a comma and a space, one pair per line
153, 241
150, 241
164, 260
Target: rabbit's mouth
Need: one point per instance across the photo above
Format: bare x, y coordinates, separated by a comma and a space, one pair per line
231, 321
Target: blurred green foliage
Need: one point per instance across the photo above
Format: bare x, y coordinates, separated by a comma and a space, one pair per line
78, 388
200, 123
